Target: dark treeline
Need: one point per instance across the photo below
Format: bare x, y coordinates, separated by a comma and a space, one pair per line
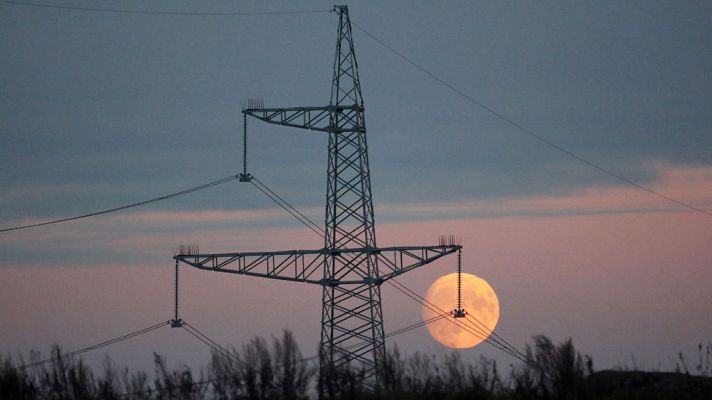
277, 370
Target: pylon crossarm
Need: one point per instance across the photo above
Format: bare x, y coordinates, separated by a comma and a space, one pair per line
404, 259
306, 265
290, 265
314, 118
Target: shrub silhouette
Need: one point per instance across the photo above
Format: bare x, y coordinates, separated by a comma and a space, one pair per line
554, 372
277, 370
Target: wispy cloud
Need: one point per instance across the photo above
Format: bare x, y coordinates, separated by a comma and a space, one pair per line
157, 233
692, 185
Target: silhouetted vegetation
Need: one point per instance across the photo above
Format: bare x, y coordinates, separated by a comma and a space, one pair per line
555, 372
277, 370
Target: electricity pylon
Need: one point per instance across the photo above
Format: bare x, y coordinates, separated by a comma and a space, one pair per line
350, 267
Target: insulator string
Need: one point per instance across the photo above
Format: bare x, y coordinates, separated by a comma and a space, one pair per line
459, 280
176, 293
244, 144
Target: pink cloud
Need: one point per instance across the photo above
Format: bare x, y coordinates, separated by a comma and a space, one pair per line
692, 185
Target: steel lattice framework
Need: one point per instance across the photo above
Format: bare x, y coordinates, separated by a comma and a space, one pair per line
350, 267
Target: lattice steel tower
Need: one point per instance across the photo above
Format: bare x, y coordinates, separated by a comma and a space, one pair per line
350, 267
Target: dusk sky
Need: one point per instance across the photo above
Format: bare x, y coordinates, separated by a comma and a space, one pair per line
99, 109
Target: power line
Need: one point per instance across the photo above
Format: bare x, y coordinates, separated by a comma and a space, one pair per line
482, 326
477, 332
148, 12
389, 335
482, 331
417, 325
286, 206
307, 219
410, 61
211, 343
165, 197
485, 331
96, 346
526, 130
219, 349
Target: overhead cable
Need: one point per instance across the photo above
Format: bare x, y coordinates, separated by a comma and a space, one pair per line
211, 343
528, 131
96, 346
165, 197
481, 331
476, 332
485, 332
272, 195
220, 350
417, 325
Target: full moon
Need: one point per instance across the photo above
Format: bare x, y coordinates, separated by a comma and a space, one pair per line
479, 301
